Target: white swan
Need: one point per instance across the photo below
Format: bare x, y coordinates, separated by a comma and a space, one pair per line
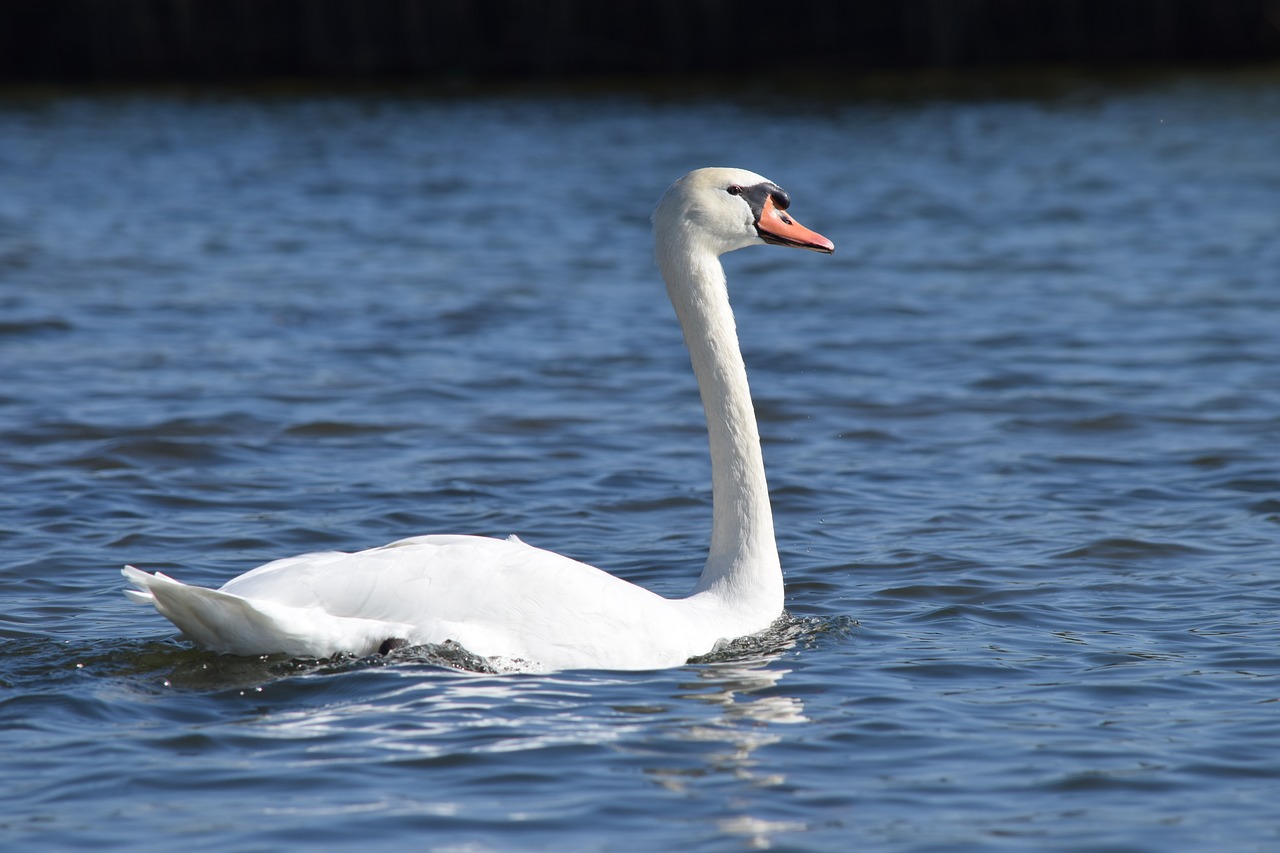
522, 607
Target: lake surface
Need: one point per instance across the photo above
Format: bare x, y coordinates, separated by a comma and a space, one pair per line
1021, 432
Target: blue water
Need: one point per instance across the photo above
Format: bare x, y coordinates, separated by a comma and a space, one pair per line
1021, 433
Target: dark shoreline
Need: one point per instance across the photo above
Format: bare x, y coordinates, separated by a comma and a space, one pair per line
468, 42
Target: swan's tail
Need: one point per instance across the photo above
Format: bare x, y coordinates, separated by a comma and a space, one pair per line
214, 620
223, 622
218, 621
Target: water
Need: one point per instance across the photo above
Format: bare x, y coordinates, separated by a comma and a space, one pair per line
1021, 433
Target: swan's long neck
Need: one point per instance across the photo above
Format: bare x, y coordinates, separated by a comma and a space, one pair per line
742, 568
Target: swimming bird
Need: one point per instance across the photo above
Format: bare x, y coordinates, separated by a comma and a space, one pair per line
524, 608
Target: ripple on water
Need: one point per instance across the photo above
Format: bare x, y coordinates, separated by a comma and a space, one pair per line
1021, 429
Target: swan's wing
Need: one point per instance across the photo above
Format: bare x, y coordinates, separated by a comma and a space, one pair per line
458, 578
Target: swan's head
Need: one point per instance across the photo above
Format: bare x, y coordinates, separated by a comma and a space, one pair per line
727, 209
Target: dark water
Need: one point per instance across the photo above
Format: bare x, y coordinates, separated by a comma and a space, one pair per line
1021, 431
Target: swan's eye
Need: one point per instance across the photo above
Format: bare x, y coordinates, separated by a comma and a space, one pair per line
734, 189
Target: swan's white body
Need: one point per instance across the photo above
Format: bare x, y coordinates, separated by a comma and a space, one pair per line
520, 606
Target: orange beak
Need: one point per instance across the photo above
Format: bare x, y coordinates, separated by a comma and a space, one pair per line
777, 227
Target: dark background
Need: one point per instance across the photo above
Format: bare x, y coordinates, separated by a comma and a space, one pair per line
70, 41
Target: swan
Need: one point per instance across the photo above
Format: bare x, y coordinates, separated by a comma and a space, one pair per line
520, 607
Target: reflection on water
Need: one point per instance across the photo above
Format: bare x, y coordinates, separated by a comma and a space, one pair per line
727, 711
731, 686
741, 726
745, 725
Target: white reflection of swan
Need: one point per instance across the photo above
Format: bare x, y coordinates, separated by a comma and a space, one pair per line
746, 724
704, 727
745, 679
743, 726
